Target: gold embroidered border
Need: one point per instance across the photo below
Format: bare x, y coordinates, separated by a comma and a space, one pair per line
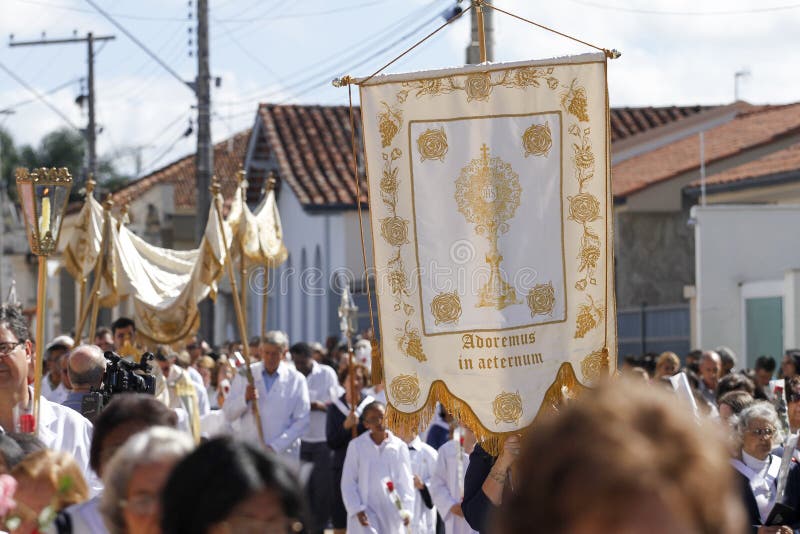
565, 382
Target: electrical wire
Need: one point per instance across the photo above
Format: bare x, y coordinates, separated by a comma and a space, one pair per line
246, 51
39, 96
141, 45
147, 169
343, 57
744, 11
84, 10
46, 93
307, 14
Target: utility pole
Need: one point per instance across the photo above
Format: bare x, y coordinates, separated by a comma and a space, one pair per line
474, 49
91, 129
205, 151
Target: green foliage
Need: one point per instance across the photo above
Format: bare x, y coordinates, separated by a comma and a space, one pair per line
60, 148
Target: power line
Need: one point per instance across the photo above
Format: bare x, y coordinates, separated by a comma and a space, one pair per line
319, 81
745, 11
305, 15
84, 10
147, 169
343, 57
39, 96
140, 44
46, 93
247, 52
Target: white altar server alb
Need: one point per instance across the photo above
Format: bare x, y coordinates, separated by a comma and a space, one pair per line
447, 484
373, 459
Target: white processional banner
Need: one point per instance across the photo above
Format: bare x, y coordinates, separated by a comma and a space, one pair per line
490, 205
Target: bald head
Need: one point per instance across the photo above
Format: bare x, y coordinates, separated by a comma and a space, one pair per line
86, 367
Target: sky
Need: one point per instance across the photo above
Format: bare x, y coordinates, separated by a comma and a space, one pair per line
674, 52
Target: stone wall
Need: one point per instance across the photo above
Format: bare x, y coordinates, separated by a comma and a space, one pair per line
654, 257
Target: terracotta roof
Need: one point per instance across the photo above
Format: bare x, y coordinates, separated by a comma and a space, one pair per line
313, 150
749, 130
778, 162
627, 122
228, 155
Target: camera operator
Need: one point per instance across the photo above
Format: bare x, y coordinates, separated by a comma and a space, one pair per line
86, 367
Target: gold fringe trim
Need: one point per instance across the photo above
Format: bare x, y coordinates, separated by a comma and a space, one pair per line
377, 363
565, 385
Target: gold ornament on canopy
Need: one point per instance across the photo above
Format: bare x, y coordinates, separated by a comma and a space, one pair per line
43, 195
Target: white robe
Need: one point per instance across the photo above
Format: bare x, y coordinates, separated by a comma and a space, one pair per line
284, 410
366, 467
57, 395
423, 464
63, 429
446, 489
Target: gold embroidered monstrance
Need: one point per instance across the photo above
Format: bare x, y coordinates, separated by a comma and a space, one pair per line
488, 195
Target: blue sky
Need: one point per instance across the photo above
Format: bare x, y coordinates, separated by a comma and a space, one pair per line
674, 52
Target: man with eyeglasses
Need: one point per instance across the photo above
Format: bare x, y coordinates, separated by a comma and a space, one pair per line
59, 428
283, 403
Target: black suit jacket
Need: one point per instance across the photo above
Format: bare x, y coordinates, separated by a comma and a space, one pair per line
791, 497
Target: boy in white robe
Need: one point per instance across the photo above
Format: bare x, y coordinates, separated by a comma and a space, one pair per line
447, 483
373, 459
423, 464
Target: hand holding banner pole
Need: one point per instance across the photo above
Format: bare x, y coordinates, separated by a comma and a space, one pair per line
215, 192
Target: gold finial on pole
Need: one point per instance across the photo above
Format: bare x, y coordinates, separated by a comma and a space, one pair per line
478, 5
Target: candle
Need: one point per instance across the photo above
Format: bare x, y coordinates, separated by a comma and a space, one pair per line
44, 220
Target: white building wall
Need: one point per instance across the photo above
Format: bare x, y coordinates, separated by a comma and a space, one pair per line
738, 245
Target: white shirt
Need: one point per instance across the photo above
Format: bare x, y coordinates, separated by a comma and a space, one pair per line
57, 395
321, 382
367, 466
63, 429
446, 487
85, 517
284, 410
423, 465
762, 475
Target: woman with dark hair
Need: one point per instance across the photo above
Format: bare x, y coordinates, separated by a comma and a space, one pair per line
339, 431
227, 486
790, 366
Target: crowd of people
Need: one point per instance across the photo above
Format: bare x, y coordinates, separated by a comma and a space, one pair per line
297, 441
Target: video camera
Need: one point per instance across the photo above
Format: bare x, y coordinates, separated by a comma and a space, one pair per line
121, 376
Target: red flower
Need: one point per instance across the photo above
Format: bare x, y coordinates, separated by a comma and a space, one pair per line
390, 486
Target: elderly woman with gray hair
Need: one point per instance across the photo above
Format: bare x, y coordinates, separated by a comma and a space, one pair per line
758, 430
135, 477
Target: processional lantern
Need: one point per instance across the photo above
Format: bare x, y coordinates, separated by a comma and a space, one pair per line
43, 194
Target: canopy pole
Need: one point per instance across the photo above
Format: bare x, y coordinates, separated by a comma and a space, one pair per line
271, 182
242, 263
215, 192
107, 205
478, 4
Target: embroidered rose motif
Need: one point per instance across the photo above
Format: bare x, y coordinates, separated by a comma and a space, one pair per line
395, 231
446, 308
584, 208
478, 86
